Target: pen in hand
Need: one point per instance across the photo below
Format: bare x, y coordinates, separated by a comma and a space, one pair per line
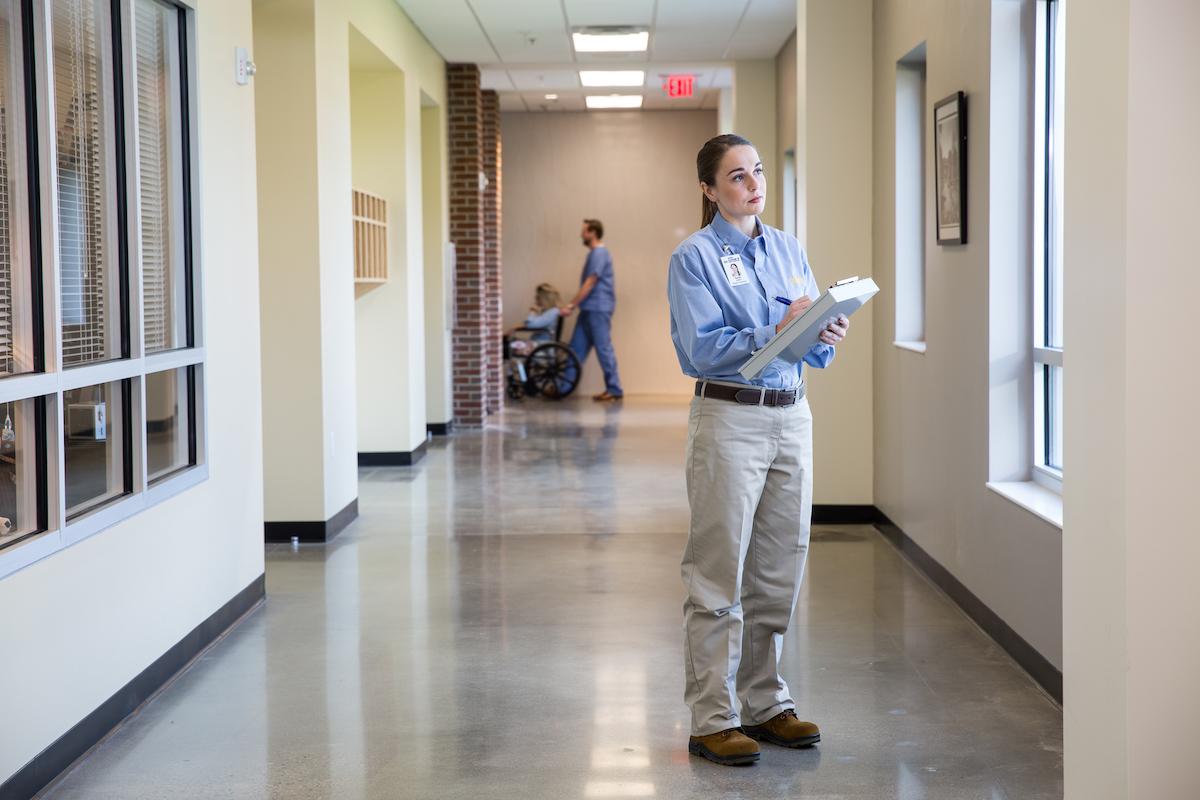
784, 300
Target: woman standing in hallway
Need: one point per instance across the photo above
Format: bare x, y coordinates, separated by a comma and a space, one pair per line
749, 458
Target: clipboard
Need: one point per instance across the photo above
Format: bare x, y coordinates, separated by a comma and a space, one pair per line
793, 342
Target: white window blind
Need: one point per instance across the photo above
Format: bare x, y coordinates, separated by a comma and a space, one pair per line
154, 51
80, 173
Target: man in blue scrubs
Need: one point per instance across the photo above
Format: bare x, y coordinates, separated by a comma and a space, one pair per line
596, 302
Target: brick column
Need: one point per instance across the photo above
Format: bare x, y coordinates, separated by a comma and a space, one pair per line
465, 134
493, 299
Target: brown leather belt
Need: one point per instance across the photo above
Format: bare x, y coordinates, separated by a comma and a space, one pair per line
750, 396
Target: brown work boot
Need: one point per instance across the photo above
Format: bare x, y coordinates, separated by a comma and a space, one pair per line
729, 747
785, 730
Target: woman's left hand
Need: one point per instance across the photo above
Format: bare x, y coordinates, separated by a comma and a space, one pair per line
836, 330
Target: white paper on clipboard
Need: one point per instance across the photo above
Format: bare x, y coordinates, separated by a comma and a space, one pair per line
793, 342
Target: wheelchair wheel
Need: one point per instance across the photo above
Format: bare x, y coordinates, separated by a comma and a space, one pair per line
553, 371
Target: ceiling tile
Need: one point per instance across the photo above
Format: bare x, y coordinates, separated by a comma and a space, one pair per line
582, 13
758, 40
777, 11
549, 80
700, 15
689, 44
451, 29
495, 79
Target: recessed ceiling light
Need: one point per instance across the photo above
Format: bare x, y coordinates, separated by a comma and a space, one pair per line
612, 77
614, 101
551, 97
620, 40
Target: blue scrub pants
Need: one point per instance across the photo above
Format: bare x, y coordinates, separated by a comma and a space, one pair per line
594, 329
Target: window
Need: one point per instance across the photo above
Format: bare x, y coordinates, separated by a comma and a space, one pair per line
1048, 244
101, 352
910, 200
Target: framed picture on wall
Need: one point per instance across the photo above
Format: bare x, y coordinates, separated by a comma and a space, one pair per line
950, 168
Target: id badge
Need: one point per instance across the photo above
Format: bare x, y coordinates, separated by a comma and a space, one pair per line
735, 273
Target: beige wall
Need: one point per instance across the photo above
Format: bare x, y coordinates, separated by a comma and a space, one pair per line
434, 177
754, 116
310, 328
635, 171
1132, 646
833, 169
785, 113
932, 409
82, 623
391, 403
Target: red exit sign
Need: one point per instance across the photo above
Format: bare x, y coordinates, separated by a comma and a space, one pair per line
680, 85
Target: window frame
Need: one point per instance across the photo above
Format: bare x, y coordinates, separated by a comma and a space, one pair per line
1046, 256
50, 379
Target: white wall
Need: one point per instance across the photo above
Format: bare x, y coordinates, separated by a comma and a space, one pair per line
1132, 645
636, 172
932, 410
833, 168
82, 623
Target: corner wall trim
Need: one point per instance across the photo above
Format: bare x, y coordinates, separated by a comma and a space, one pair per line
397, 458
312, 531
440, 428
1041, 670
58, 757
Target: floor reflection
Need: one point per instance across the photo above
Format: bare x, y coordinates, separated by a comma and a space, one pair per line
504, 621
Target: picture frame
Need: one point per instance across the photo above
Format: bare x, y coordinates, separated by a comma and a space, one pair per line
950, 169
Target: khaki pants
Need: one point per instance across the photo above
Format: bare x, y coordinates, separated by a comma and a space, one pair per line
749, 479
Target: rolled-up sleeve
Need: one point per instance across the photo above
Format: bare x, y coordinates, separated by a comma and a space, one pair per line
710, 344
820, 355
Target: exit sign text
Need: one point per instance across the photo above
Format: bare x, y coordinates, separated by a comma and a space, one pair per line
680, 85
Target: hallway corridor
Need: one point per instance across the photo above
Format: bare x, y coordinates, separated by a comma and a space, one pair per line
504, 621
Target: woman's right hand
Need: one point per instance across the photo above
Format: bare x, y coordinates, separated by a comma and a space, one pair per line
797, 308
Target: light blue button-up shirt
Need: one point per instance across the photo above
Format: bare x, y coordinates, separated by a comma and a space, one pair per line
716, 325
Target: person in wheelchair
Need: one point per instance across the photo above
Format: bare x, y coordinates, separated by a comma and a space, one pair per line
541, 322
540, 364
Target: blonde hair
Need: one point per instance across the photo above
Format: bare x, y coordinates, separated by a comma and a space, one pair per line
547, 296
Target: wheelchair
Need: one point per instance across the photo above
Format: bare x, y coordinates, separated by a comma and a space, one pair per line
550, 370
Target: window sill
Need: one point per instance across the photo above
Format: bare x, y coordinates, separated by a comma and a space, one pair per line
1034, 498
916, 347
43, 545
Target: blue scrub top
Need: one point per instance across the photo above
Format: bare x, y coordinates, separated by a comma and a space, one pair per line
603, 296
717, 324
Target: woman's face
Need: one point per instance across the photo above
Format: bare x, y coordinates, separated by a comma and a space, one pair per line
741, 187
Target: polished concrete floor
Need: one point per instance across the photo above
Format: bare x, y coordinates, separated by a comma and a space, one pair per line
504, 621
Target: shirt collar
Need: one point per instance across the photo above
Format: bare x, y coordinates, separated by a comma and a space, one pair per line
730, 235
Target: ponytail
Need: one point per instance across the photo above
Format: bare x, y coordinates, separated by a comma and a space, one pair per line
708, 210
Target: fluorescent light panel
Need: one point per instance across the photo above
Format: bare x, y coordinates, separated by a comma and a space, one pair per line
612, 77
614, 101
611, 42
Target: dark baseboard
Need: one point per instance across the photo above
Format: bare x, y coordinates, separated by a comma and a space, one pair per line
441, 428
397, 458
89, 731
1046, 674
844, 515
312, 531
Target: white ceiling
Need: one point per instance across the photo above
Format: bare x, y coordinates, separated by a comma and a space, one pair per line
523, 47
